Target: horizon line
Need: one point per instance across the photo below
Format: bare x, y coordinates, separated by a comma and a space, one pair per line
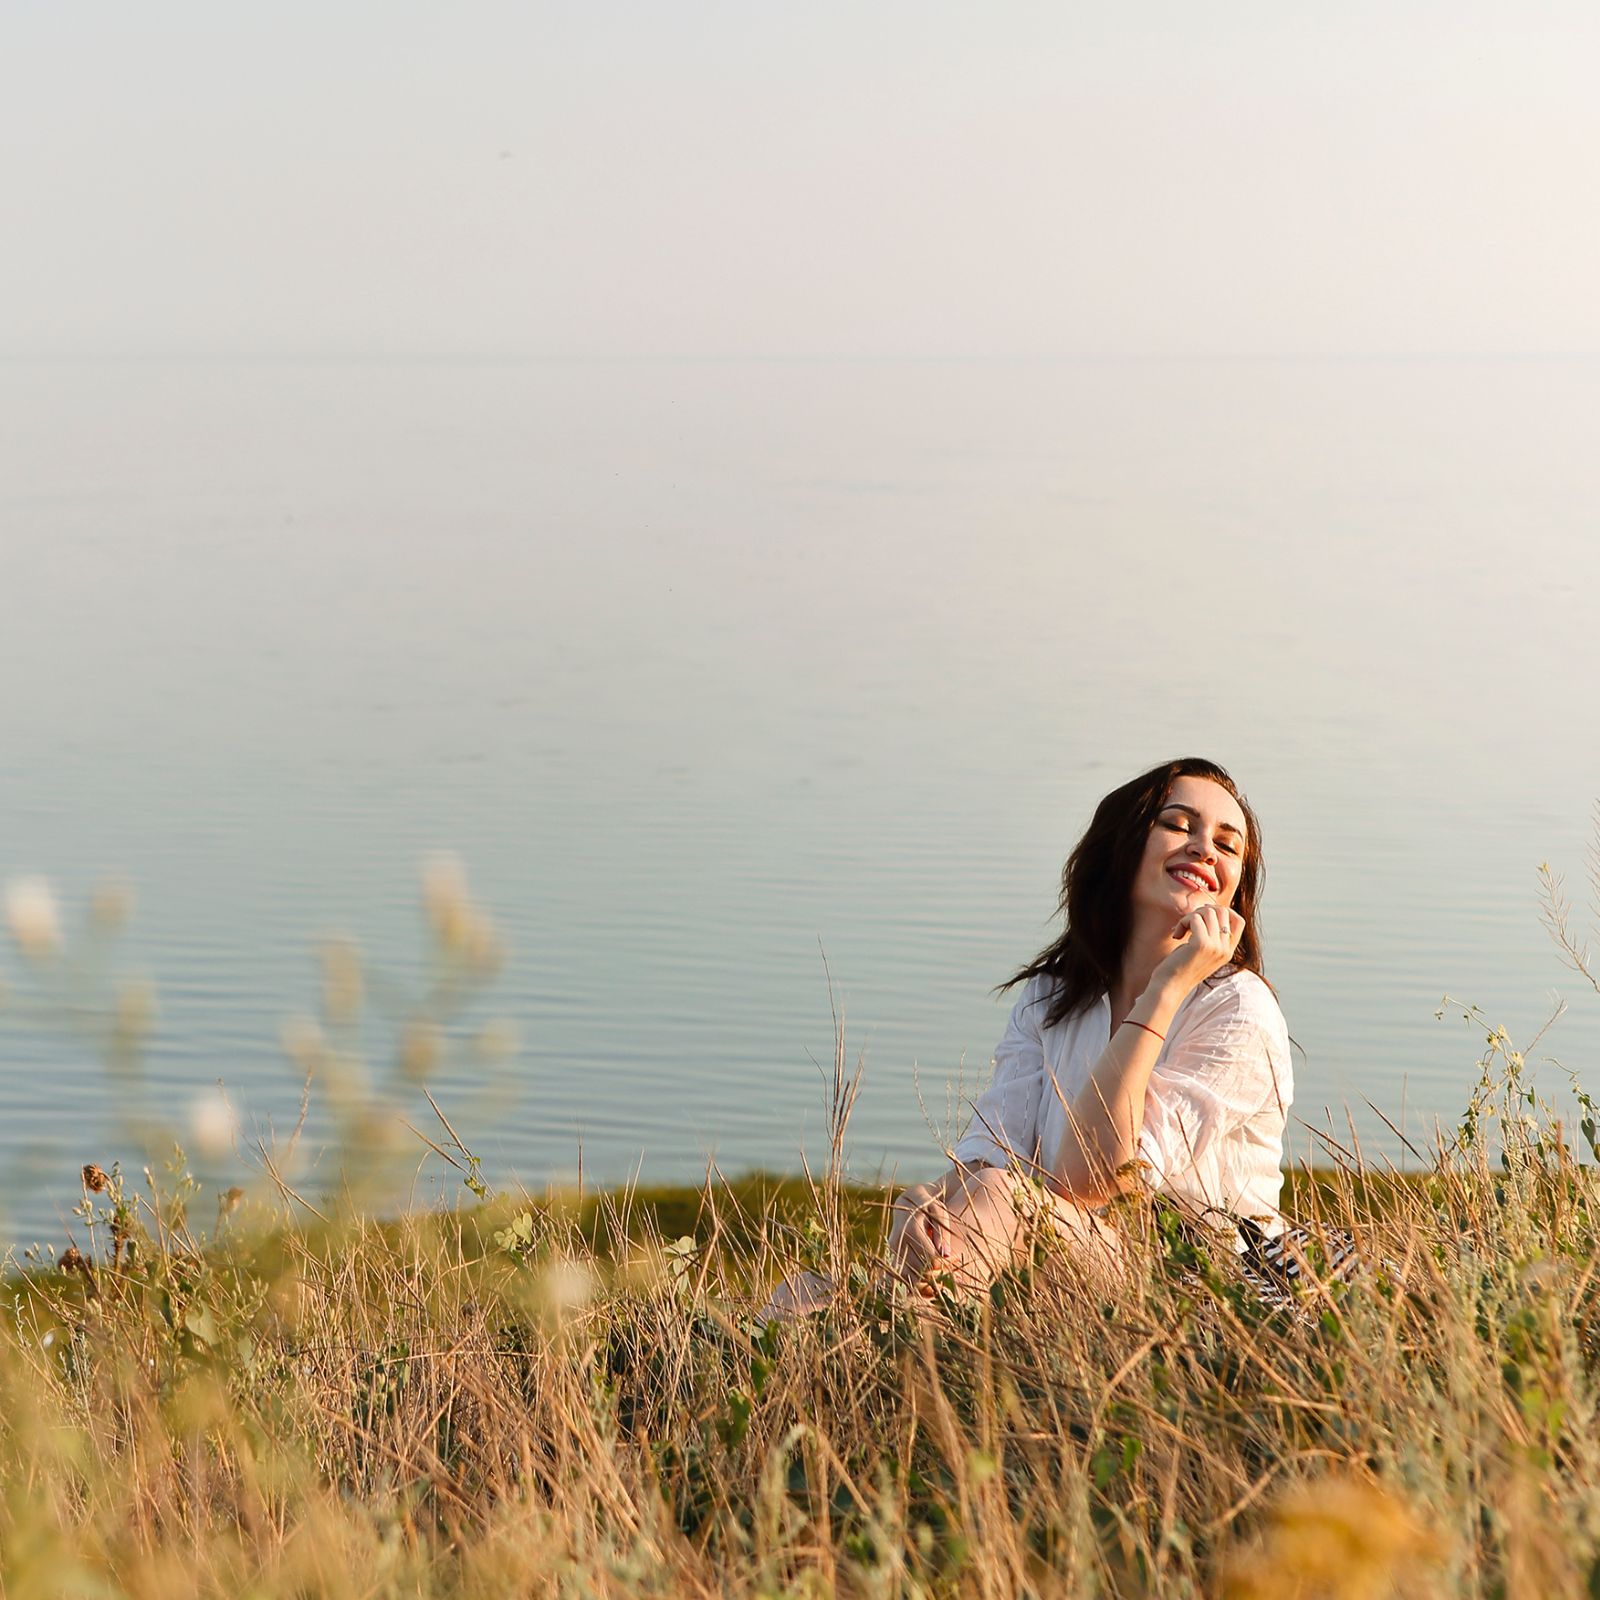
525, 357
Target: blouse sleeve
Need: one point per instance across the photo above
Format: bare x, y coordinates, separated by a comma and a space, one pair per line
1226, 1066
1005, 1117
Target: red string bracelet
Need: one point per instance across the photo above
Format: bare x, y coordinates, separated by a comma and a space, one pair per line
1130, 1023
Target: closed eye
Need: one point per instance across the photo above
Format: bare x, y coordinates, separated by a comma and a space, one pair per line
1181, 825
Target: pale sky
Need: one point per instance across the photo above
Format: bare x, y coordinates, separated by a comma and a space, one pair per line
823, 179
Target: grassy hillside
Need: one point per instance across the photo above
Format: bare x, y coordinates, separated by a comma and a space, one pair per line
273, 1395
573, 1399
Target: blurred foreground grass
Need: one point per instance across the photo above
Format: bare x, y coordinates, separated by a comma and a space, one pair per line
568, 1395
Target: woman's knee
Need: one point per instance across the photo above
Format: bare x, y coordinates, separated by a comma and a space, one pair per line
988, 1213
984, 1188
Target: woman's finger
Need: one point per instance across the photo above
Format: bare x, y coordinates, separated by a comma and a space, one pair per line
936, 1223
915, 1247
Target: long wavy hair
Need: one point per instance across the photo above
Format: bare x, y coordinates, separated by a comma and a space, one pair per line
1097, 889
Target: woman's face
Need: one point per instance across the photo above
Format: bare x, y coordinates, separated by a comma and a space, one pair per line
1195, 852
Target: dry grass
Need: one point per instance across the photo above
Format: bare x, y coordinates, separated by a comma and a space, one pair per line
518, 1398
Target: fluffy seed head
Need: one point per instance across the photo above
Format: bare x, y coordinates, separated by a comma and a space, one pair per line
303, 1043
1341, 1539
111, 905
464, 933
444, 895
342, 987
213, 1123
419, 1049
136, 1009
566, 1286
32, 916
497, 1039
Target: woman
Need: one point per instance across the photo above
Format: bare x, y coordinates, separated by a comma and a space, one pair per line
1146, 1051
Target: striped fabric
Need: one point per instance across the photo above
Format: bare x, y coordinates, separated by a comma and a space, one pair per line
1280, 1267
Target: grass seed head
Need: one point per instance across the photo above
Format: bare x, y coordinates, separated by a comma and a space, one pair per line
213, 1123
303, 1042
33, 918
343, 989
444, 897
463, 931
497, 1040
565, 1288
111, 905
1336, 1539
136, 1010
420, 1049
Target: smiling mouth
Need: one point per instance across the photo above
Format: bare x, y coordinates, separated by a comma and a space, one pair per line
1191, 879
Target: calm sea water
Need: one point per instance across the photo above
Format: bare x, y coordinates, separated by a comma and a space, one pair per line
709, 672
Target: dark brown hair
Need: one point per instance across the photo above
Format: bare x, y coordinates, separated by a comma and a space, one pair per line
1097, 889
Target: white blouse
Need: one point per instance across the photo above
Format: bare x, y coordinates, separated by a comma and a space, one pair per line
1214, 1112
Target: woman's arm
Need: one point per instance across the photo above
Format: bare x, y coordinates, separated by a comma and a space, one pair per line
1005, 1117
1105, 1116
1093, 1163
1226, 1068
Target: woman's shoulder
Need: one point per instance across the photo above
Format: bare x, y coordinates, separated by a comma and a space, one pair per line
1032, 1004
1035, 1000
1238, 994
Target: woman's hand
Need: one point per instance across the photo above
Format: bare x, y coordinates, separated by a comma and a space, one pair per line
921, 1235
1210, 935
